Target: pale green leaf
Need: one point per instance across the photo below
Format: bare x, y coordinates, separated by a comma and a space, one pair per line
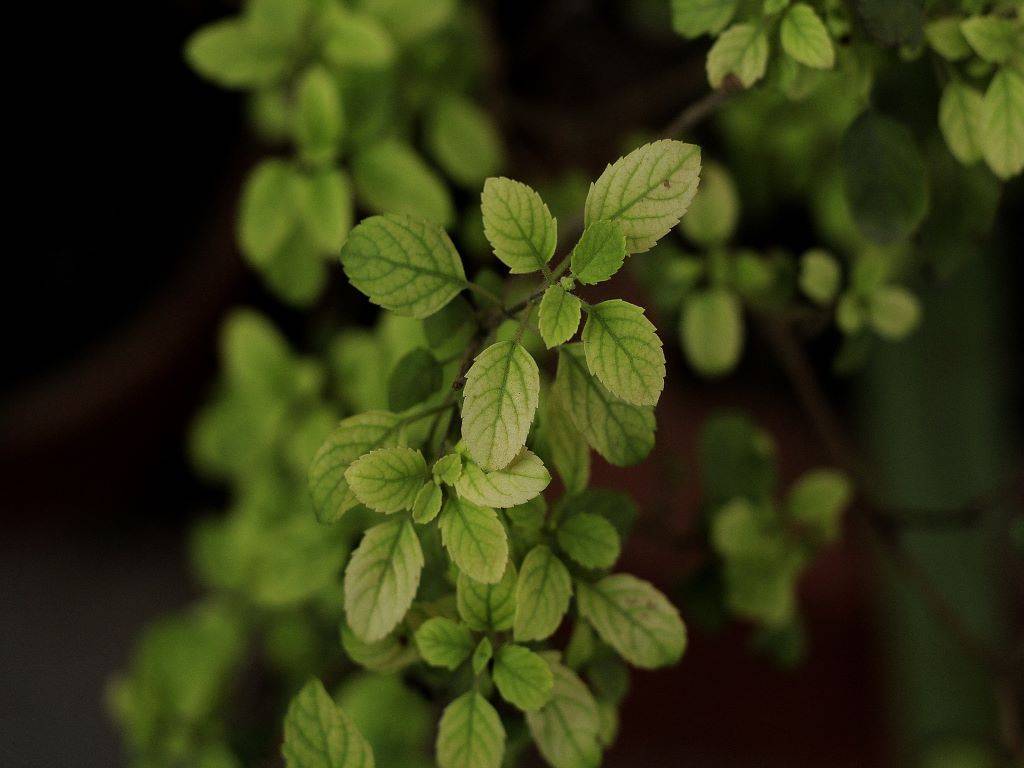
470, 734
522, 480
390, 177
381, 578
635, 619
318, 734
475, 539
711, 328
624, 352
993, 38
542, 595
463, 140
820, 276
448, 469
946, 39
590, 540
482, 655
387, 479
443, 642
487, 607
325, 205
229, 54
715, 210
406, 265
960, 114
411, 20
427, 503
501, 396
817, 500
742, 51
522, 677
693, 18
319, 119
1002, 124
569, 451
893, 312
805, 38
354, 39
518, 225
267, 212
385, 655
559, 316
566, 728
599, 254
646, 192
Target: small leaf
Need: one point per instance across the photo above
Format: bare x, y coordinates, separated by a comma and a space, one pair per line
715, 210
381, 578
390, 177
402, 264
522, 480
443, 642
590, 540
624, 352
501, 395
960, 115
805, 38
635, 619
946, 39
820, 276
268, 212
566, 728
817, 500
1002, 124
427, 503
559, 316
229, 54
711, 328
387, 479
771, 7
448, 469
542, 595
570, 453
319, 120
475, 539
742, 50
354, 40
326, 208
414, 379
487, 607
386, 655
646, 192
893, 312
693, 18
994, 39
522, 677
518, 225
464, 140
318, 734
599, 254
482, 655
470, 734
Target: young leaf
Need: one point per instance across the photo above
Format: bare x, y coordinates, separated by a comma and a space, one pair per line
635, 619
501, 395
621, 432
390, 177
817, 500
590, 540
520, 481
624, 352
354, 40
693, 18
464, 140
542, 595
403, 264
711, 328
482, 655
470, 734
646, 192
599, 254
448, 469
523, 678
414, 378
893, 312
487, 607
566, 728
427, 503
518, 225
318, 734
819, 276
712, 217
559, 316
326, 208
268, 212
443, 642
805, 38
960, 114
475, 539
229, 54
994, 39
946, 39
742, 50
570, 453
381, 578
319, 120
1002, 124
352, 438
387, 479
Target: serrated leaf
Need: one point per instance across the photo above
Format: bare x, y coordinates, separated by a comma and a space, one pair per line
693, 18
646, 192
817, 500
742, 51
390, 177
475, 539
406, 265
482, 655
381, 578
501, 395
267, 212
559, 316
325, 205
427, 503
1002, 124
635, 619
318, 734
542, 595
387, 479
994, 39
566, 728
518, 225
463, 140
946, 39
624, 352
448, 469
354, 39
569, 451
522, 480
443, 642
522, 677
621, 432
599, 254
960, 113
487, 607
590, 540
715, 210
470, 734
711, 328
352, 438
319, 119
820, 276
805, 38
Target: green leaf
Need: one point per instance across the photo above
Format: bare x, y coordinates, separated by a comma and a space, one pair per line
742, 51
599, 254
771, 7
884, 178
736, 459
411, 20
501, 396
482, 655
319, 120
475, 539
443, 642
522, 677
624, 352
805, 38
542, 595
1002, 124
569, 451
317, 734
325, 205
427, 503
268, 212
635, 619
403, 264
470, 734
352, 438
448, 469
590, 540
487, 607
229, 54
693, 18
960, 114
296, 272
820, 276
893, 312
559, 316
817, 500
711, 328
946, 39
994, 39
715, 210
518, 225
646, 192
463, 140
621, 432
566, 728
381, 578
522, 480
893, 22
414, 379
354, 40
386, 655
390, 177
387, 479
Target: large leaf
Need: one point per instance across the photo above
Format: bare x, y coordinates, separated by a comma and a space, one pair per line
522, 480
1002, 124
390, 177
464, 140
443, 642
518, 225
318, 734
569, 452
590, 540
624, 352
566, 728
470, 734
475, 539
387, 479
522, 677
487, 607
542, 595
